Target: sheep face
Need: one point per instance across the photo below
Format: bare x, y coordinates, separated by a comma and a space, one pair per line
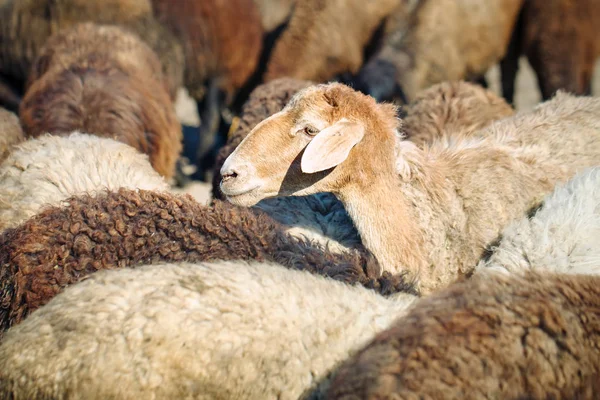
327, 137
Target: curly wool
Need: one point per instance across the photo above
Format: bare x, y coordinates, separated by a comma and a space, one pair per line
531, 336
10, 132
62, 245
33, 176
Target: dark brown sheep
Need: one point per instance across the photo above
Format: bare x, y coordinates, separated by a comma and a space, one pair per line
63, 245
27, 24
561, 42
535, 336
10, 132
105, 81
264, 101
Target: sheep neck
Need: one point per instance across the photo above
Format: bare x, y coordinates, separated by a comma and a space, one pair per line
386, 224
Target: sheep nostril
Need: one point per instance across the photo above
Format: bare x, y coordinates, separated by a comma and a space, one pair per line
229, 176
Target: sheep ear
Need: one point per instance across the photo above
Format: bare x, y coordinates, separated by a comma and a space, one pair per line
331, 146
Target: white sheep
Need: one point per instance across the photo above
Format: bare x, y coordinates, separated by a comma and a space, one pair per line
49, 169
432, 211
563, 234
223, 330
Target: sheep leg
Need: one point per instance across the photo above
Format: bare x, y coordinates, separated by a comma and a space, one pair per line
10, 98
210, 118
509, 65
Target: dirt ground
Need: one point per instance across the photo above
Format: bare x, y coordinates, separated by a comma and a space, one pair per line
527, 96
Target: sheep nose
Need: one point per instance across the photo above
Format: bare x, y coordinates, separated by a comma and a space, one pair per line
229, 174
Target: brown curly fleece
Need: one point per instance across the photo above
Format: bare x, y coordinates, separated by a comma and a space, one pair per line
264, 101
535, 336
63, 245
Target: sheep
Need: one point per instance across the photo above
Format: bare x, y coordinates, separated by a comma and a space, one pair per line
49, 169
29, 23
104, 81
222, 44
234, 330
125, 228
429, 212
448, 109
438, 41
325, 39
560, 40
11, 133
531, 336
562, 233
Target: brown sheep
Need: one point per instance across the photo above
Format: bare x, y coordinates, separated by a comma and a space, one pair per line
10, 132
437, 41
29, 23
105, 81
62, 245
222, 43
326, 38
561, 42
535, 336
450, 109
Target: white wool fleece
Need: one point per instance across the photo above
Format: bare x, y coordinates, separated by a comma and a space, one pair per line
564, 234
50, 169
223, 330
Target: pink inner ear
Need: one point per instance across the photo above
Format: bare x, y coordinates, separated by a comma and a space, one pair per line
331, 146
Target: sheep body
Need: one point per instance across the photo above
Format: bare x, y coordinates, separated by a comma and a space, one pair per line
273, 13
104, 81
326, 38
531, 336
62, 245
560, 40
445, 211
439, 40
33, 175
29, 23
563, 233
448, 110
10, 132
210, 330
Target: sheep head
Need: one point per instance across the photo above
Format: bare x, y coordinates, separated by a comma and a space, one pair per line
327, 138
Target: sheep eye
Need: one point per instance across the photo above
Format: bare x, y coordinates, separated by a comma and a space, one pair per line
310, 131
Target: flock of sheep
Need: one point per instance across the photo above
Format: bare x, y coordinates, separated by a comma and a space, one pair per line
447, 248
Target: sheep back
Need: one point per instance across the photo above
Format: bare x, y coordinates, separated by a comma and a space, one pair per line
33, 175
230, 330
452, 109
105, 81
62, 245
534, 336
325, 38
